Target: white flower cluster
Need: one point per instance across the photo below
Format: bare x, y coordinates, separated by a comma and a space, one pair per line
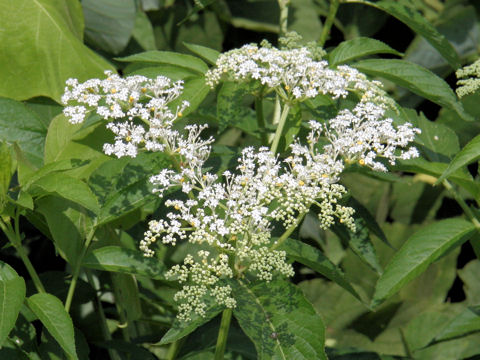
470, 79
136, 108
293, 73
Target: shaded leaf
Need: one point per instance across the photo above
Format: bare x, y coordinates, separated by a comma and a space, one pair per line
414, 20
118, 259
419, 251
468, 321
313, 258
53, 316
143, 32
279, 320
109, 23
358, 47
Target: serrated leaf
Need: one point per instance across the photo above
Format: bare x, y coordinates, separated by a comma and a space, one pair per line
419, 251
122, 260
21, 125
469, 154
359, 47
414, 20
416, 79
50, 311
231, 109
279, 320
109, 23
313, 258
168, 57
12, 294
467, 322
208, 54
42, 47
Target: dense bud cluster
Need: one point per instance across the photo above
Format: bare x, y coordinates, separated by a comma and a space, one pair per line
470, 79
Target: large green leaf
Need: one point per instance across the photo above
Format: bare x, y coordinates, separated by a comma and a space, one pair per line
209, 55
194, 91
468, 321
420, 250
21, 125
12, 294
5, 171
469, 154
49, 310
358, 47
313, 258
419, 24
109, 23
168, 57
416, 79
143, 31
279, 320
231, 107
42, 47
304, 20
118, 259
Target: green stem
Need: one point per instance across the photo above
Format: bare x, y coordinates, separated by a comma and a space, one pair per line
15, 238
332, 11
173, 349
261, 119
283, 4
469, 213
223, 334
289, 231
281, 125
76, 269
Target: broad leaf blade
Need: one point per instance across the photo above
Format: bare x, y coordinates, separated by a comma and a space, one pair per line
414, 20
168, 57
469, 154
419, 251
12, 294
50, 311
468, 321
416, 79
42, 47
210, 55
122, 260
358, 47
109, 23
279, 320
313, 258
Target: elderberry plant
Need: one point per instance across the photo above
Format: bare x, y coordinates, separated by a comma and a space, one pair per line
233, 214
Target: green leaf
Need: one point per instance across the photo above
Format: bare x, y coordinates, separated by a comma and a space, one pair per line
12, 294
68, 224
126, 297
49, 310
7, 272
303, 19
414, 20
358, 47
468, 321
469, 154
143, 32
122, 185
194, 91
209, 55
168, 57
21, 125
279, 320
67, 187
42, 47
5, 171
118, 259
313, 258
416, 79
419, 251
181, 328
109, 23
